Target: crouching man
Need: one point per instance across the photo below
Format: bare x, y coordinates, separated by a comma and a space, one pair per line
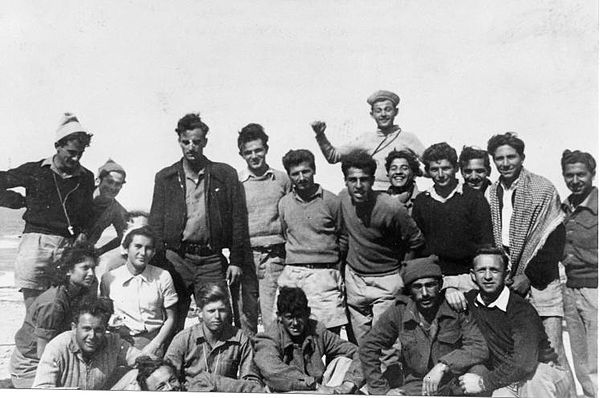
289, 353
521, 362
438, 343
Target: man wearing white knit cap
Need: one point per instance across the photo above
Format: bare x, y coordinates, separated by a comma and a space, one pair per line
58, 200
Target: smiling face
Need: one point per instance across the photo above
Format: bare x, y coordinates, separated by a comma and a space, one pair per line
192, 143
139, 253
68, 156
163, 379
384, 112
508, 162
254, 153
425, 293
442, 172
294, 324
359, 184
475, 173
111, 184
488, 273
82, 274
400, 172
215, 316
578, 178
303, 177
90, 333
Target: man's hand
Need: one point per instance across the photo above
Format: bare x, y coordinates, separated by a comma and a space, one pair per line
318, 126
151, 350
431, 381
321, 389
396, 391
521, 284
456, 299
345, 388
234, 273
471, 383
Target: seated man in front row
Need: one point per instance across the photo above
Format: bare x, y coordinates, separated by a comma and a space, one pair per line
289, 352
521, 362
438, 343
85, 357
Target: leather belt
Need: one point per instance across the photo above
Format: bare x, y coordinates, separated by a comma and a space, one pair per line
197, 249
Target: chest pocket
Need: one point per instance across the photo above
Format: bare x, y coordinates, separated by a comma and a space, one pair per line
450, 338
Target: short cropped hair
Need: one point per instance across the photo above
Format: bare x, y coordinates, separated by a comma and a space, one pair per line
101, 307
469, 152
492, 251
410, 156
70, 257
83, 138
292, 300
569, 157
211, 292
146, 366
296, 156
359, 160
508, 138
439, 151
141, 231
191, 121
251, 132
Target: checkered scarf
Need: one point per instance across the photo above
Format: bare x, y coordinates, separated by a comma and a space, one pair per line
536, 213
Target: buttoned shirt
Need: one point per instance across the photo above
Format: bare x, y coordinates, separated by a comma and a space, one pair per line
140, 299
49, 162
196, 227
507, 210
232, 355
63, 364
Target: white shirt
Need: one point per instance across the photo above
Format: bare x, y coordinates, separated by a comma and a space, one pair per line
507, 211
501, 301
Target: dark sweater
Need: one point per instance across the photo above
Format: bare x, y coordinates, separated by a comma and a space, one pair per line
516, 339
455, 229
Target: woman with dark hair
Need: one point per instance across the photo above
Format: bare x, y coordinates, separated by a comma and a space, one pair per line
51, 312
214, 355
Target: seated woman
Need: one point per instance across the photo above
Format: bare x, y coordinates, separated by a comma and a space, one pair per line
213, 355
51, 312
143, 295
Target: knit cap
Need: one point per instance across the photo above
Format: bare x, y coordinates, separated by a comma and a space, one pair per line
109, 166
68, 125
421, 268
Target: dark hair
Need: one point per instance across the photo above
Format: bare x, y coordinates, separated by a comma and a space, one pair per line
296, 156
146, 366
508, 138
211, 292
469, 152
569, 157
79, 136
141, 231
410, 156
251, 132
292, 300
69, 258
492, 251
359, 160
137, 213
101, 307
191, 121
439, 151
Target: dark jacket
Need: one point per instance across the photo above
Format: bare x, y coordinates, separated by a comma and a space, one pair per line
45, 213
284, 371
226, 205
457, 342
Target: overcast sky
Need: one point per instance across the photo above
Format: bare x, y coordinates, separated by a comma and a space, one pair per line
130, 69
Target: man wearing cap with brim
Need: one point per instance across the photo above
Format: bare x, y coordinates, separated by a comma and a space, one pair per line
58, 198
388, 137
438, 343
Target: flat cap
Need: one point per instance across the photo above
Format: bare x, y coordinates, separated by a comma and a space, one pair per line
421, 268
383, 95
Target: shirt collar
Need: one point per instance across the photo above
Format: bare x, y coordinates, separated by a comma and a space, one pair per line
229, 334
49, 162
501, 302
127, 275
246, 174
457, 190
318, 193
395, 130
411, 311
590, 202
191, 174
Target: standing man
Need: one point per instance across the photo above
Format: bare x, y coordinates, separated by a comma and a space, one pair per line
521, 362
58, 198
384, 109
264, 186
402, 168
311, 224
527, 221
198, 209
580, 259
381, 235
475, 168
455, 220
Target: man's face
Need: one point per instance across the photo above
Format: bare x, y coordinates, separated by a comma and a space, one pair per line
302, 176
359, 184
400, 172
163, 379
82, 274
475, 173
215, 315
111, 184
508, 161
578, 178
68, 156
192, 143
140, 252
294, 324
254, 153
425, 292
384, 112
488, 273
90, 333
442, 172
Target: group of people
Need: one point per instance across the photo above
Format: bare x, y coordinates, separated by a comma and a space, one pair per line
454, 290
